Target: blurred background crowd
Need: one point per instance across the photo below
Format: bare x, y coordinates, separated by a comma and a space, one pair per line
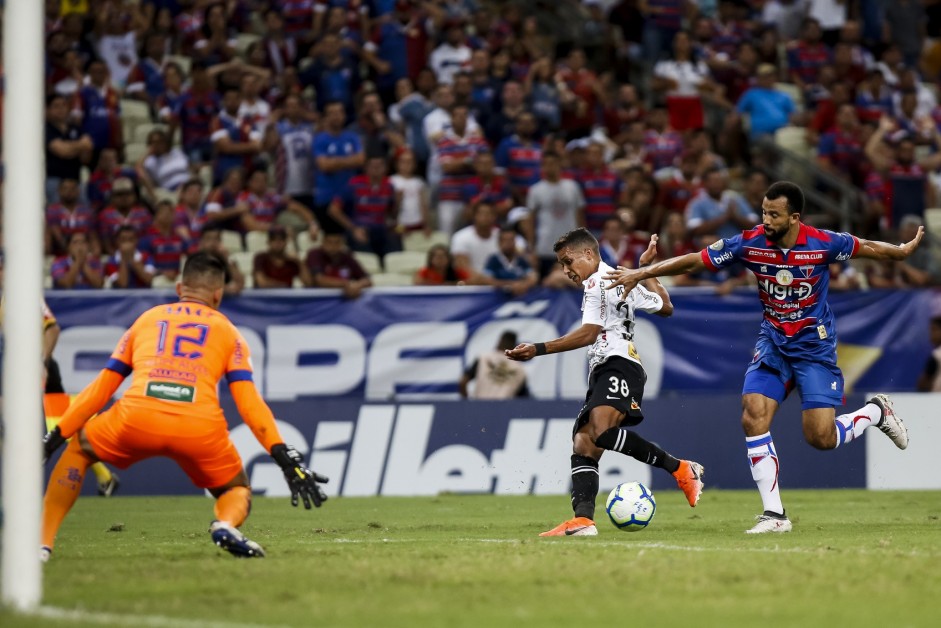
352, 143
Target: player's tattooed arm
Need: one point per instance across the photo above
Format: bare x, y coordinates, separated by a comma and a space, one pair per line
581, 337
627, 277
874, 249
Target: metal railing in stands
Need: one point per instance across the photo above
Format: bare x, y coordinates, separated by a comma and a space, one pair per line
782, 163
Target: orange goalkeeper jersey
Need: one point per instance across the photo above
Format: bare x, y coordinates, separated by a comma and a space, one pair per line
177, 354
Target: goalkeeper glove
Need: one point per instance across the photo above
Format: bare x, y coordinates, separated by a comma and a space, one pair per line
50, 442
301, 480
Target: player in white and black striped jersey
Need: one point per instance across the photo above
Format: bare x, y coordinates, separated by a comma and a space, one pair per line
616, 377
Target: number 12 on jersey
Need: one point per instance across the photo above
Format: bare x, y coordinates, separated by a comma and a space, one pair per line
180, 339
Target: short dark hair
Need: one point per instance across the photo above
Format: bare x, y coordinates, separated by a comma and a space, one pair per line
790, 191
204, 268
576, 238
508, 340
125, 229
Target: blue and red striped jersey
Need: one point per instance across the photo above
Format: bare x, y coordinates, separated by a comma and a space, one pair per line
602, 191
372, 202
792, 284
521, 161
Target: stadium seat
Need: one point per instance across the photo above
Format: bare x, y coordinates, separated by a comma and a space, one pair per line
141, 131
133, 152
794, 92
134, 109
417, 241
256, 241
384, 280
404, 262
933, 221
232, 241
163, 194
369, 261
245, 261
162, 281
305, 243
243, 41
794, 139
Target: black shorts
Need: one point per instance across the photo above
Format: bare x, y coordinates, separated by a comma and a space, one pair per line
619, 383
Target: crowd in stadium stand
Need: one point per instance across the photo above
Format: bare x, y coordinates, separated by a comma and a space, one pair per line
351, 143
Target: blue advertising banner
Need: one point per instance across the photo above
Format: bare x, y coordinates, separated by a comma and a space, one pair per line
414, 343
507, 448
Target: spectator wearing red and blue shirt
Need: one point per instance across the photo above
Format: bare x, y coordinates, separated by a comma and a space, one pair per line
69, 216
486, 186
338, 155
145, 81
840, 151
281, 49
663, 19
79, 268
235, 143
194, 113
808, 55
189, 216
873, 97
98, 108
265, 205
128, 267
455, 151
602, 189
374, 209
662, 145
123, 211
334, 76
189, 26
106, 172
520, 156
298, 16
163, 243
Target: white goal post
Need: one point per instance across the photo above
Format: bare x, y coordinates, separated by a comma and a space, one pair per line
23, 198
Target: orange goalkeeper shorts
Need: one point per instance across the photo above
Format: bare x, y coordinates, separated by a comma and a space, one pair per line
202, 447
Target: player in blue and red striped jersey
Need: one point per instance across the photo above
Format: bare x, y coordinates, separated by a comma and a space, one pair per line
602, 189
375, 207
797, 342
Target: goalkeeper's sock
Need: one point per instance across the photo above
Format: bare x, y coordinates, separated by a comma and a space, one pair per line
584, 485
764, 469
102, 472
629, 443
65, 484
851, 426
234, 505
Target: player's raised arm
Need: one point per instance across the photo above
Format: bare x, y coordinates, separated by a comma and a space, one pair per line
653, 284
874, 249
581, 337
627, 277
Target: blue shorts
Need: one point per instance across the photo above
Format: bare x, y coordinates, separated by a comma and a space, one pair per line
774, 375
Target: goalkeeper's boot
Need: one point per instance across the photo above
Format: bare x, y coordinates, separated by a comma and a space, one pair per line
689, 479
579, 526
109, 488
234, 542
890, 423
770, 522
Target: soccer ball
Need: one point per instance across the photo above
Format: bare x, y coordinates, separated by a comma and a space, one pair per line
630, 506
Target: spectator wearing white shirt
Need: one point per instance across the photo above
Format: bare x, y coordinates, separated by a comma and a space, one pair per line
412, 192
473, 245
162, 167
452, 56
682, 79
831, 14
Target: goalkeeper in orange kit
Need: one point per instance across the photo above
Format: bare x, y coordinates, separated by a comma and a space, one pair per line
177, 354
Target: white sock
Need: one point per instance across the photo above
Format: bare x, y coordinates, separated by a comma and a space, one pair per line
764, 469
851, 426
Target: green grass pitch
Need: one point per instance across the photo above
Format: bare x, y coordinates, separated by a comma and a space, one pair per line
855, 558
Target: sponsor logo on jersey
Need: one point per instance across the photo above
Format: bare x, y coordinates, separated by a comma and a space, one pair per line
723, 258
822, 332
814, 257
170, 392
797, 289
634, 405
756, 356
842, 257
761, 255
807, 270
763, 269
784, 277
718, 245
591, 283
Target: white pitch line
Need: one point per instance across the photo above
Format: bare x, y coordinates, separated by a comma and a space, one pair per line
652, 545
150, 621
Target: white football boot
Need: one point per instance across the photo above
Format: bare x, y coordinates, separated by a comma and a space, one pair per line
890, 424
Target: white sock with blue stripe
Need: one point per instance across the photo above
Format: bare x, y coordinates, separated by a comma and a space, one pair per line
764, 470
851, 426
